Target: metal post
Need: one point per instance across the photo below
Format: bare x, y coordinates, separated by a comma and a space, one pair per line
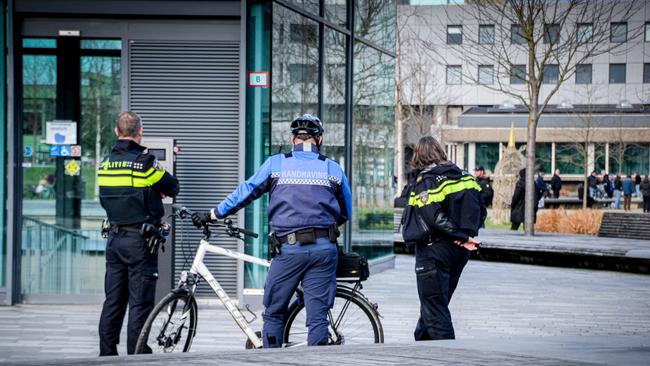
349, 75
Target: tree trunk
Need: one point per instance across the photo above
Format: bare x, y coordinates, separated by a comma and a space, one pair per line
399, 154
585, 191
529, 220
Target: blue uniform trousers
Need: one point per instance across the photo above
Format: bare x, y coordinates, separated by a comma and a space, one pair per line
314, 265
131, 274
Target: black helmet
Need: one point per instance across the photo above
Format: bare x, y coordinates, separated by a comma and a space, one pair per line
307, 124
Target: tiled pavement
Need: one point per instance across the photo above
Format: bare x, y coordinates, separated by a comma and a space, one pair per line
494, 301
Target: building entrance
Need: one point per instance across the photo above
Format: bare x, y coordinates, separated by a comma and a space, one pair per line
70, 94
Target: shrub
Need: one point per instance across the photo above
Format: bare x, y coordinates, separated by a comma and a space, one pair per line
584, 221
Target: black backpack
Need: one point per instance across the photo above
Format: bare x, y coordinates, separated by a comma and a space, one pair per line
414, 229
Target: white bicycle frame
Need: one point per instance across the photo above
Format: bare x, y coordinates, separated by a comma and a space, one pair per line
198, 267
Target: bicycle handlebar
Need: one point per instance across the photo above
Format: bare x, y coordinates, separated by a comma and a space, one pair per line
233, 230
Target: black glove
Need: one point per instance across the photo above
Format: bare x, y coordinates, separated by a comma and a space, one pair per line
200, 219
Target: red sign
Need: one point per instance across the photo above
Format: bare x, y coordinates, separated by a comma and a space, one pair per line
258, 79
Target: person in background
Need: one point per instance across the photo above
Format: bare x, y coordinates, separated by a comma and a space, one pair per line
645, 191
628, 190
517, 204
637, 183
581, 192
486, 190
592, 183
556, 184
618, 191
607, 185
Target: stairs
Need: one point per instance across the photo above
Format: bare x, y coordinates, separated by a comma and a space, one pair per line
625, 225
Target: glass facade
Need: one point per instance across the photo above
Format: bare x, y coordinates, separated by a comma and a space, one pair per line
61, 248
487, 155
634, 158
305, 45
3, 162
568, 159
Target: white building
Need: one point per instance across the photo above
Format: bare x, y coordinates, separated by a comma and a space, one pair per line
609, 95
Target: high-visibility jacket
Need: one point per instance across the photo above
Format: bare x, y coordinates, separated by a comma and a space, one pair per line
131, 183
444, 205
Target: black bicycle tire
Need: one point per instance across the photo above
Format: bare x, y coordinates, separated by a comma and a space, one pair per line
355, 298
194, 312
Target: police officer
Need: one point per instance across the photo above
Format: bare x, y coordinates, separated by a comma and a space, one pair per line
486, 190
309, 199
449, 211
131, 186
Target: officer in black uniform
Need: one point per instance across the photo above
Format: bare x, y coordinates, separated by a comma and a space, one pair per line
445, 210
131, 187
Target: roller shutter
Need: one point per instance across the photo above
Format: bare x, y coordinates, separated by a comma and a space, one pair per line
189, 91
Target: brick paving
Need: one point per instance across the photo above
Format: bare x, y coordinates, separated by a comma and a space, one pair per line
494, 301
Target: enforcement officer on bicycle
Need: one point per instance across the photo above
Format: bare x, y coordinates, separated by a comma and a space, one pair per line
131, 186
309, 198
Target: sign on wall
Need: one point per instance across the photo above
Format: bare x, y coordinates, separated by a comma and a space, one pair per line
61, 133
258, 79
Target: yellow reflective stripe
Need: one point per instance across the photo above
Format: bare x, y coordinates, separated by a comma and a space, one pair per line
143, 174
129, 178
115, 172
148, 181
120, 181
440, 193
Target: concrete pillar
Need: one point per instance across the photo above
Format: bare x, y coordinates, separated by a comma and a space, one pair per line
607, 158
553, 158
591, 158
472, 157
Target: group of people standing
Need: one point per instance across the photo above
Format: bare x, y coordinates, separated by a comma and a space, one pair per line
620, 188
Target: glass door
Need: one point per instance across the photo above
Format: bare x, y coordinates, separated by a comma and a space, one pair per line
70, 99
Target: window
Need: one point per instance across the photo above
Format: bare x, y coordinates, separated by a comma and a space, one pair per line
551, 74
487, 155
647, 32
646, 73
454, 34
618, 32
583, 74
454, 74
585, 32
517, 35
518, 74
486, 34
551, 33
303, 34
486, 74
617, 73
303, 73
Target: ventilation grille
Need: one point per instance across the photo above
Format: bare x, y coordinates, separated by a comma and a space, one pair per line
189, 91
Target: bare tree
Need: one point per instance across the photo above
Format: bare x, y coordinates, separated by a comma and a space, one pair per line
549, 38
415, 85
585, 144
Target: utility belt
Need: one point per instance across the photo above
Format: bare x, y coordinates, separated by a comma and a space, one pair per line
304, 237
154, 236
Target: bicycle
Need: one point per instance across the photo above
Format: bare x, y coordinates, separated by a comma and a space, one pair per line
172, 324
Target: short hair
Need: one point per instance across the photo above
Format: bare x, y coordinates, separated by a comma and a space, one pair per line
426, 152
128, 124
304, 137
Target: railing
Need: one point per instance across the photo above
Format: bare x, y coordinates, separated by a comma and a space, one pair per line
58, 260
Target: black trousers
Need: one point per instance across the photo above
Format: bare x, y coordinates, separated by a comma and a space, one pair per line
437, 269
646, 203
131, 274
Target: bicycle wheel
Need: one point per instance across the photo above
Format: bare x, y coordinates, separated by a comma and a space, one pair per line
352, 318
171, 326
